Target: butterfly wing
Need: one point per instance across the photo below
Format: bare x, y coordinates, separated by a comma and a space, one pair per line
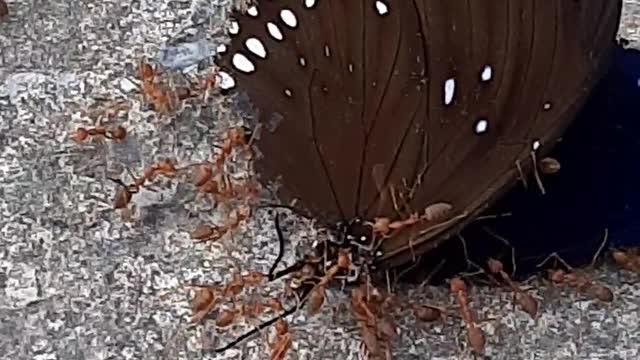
544, 56
344, 69
429, 101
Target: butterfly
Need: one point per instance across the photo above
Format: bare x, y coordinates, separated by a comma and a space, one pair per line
380, 109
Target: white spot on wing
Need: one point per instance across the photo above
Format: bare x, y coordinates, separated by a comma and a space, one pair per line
274, 31
536, 145
234, 27
256, 47
221, 49
382, 8
252, 11
449, 90
242, 63
487, 73
309, 3
289, 18
482, 126
225, 81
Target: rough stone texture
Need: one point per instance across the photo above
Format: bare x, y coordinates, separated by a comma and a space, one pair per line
79, 283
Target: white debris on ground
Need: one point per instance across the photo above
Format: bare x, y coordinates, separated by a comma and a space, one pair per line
79, 283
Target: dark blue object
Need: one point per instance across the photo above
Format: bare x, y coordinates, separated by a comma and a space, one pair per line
598, 187
613, 111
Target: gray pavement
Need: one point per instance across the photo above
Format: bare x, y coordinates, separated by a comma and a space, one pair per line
79, 283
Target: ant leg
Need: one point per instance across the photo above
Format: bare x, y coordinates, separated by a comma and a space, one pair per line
273, 275
131, 189
135, 179
117, 181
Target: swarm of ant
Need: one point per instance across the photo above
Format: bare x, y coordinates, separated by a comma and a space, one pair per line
347, 261
210, 178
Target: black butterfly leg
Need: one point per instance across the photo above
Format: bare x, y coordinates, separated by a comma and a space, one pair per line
280, 248
267, 323
273, 275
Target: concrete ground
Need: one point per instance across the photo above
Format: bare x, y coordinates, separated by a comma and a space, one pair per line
79, 283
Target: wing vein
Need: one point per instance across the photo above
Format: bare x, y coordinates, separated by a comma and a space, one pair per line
363, 155
316, 146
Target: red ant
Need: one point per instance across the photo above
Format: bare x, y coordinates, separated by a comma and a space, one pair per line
475, 336
117, 134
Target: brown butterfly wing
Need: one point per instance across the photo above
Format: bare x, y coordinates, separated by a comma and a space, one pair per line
546, 57
433, 101
343, 71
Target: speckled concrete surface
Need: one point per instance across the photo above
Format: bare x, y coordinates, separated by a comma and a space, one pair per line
79, 283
